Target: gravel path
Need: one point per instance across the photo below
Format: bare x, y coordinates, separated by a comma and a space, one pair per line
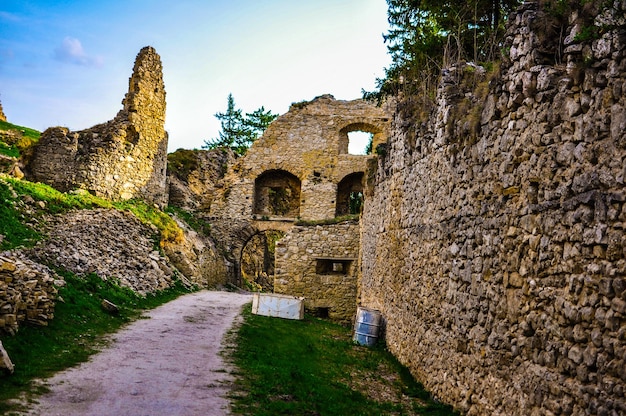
168, 364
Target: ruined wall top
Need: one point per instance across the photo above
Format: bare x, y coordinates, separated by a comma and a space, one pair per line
2, 116
145, 99
123, 158
308, 144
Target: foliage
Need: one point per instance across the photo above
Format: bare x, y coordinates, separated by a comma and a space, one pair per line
197, 224
311, 367
11, 151
182, 162
355, 202
148, 214
56, 201
75, 333
239, 131
15, 233
426, 35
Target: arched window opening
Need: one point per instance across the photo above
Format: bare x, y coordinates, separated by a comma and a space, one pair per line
360, 142
277, 193
350, 195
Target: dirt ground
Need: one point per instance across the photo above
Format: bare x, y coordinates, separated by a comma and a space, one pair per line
167, 364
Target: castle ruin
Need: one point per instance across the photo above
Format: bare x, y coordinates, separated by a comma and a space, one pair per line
492, 241
300, 171
121, 159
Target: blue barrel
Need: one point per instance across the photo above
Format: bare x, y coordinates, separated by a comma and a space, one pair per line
367, 326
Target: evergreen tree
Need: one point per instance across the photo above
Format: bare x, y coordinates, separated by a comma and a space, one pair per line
258, 121
428, 34
239, 132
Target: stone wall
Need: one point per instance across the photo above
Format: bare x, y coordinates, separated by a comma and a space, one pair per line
307, 145
120, 159
498, 255
320, 263
296, 170
2, 116
27, 293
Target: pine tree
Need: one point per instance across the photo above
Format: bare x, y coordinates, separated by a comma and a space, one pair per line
239, 132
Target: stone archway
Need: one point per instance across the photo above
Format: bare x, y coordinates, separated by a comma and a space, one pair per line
350, 194
257, 260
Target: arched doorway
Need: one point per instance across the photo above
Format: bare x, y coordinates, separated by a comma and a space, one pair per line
277, 193
257, 260
350, 194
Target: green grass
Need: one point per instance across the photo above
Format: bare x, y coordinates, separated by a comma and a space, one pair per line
311, 367
31, 134
15, 233
10, 151
17, 144
59, 202
74, 334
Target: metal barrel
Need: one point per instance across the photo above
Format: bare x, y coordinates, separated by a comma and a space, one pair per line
367, 326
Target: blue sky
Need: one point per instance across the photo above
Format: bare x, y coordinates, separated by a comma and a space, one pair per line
67, 63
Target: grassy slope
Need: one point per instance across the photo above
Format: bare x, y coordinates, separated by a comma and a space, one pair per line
27, 137
311, 367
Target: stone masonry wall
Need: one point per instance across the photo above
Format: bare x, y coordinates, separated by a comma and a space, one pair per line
309, 142
304, 267
295, 167
120, 159
499, 261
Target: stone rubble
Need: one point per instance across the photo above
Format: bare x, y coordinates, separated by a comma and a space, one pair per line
110, 243
27, 292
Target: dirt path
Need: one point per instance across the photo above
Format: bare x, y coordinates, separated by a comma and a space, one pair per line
166, 365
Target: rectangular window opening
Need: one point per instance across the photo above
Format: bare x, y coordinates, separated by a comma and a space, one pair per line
333, 266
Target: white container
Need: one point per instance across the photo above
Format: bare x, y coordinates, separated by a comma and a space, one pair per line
280, 306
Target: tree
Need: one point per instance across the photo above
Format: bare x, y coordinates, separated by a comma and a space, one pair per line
425, 35
239, 132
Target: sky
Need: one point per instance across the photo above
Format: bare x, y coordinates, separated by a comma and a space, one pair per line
67, 63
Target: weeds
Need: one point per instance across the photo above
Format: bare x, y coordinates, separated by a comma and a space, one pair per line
12, 229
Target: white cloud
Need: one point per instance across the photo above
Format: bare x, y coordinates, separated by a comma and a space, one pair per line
10, 17
71, 51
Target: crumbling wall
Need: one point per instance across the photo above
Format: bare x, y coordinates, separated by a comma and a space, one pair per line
293, 172
320, 263
499, 260
310, 143
120, 159
2, 116
195, 176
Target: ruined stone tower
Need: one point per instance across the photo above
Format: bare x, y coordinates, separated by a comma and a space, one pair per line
121, 159
2, 116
